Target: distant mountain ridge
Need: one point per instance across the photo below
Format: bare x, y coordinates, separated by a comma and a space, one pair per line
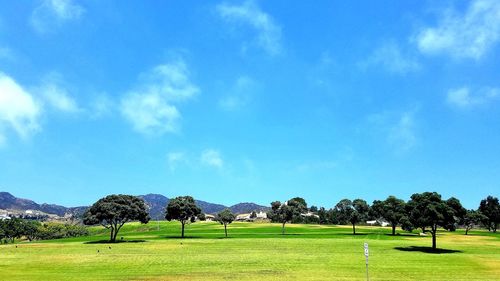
156, 204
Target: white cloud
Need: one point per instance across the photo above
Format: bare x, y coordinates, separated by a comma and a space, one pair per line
399, 128
18, 109
174, 158
58, 98
468, 35
390, 57
150, 106
240, 95
402, 134
249, 13
464, 98
212, 158
51, 14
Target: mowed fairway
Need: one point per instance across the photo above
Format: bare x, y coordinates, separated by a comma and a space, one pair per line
253, 252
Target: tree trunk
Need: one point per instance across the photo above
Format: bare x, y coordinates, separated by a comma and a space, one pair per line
283, 229
393, 229
182, 234
466, 230
112, 234
433, 240
225, 229
353, 229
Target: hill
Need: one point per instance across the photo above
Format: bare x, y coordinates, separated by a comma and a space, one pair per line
155, 202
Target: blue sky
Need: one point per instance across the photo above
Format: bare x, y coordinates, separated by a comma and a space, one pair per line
232, 101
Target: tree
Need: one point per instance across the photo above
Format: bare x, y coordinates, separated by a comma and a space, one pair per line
183, 209
113, 211
202, 217
458, 210
471, 219
313, 209
323, 215
428, 210
490, 208
253, 215
285, 212
31, 229
391, 209
225, 217
351, 212
11, 229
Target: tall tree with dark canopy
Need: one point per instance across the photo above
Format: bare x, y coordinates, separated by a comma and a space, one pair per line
429, 210
285, 212
458, 210
351, 212
490, 208
225, 217
183, 209
391, 209
471, 219
114, 211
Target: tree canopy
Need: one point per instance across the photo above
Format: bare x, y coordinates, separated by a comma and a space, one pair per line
225, 217
285, 212
490, 208
183, 209
113, 211
429, 210
391, 209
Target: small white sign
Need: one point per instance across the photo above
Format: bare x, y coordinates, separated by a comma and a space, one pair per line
366, 249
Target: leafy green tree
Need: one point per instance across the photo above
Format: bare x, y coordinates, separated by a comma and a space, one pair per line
253, 215
471, 219
113, 211
285, 212
352, 212
490, 208
31, 229
225, 217
183, 209
458, 210
313, 209
391, 209
12, 229
323, 215
429, 210
202, 217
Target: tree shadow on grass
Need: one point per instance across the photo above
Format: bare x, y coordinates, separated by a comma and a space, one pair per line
116, 242
350, 234
428, 250
185, 237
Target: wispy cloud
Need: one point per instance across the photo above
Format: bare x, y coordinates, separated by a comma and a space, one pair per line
150, 107
174, 158
464, 98
468, 35
18, 109
390, 57
211, 157
249, 13
240, 94
399, 128
51, 14
58, 98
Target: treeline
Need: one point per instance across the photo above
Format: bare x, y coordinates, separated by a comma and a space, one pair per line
16, 228
426, 211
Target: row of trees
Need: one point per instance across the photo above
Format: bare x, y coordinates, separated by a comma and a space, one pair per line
114, 211
426, 211
16, 228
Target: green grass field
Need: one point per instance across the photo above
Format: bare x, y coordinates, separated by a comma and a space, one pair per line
253, 252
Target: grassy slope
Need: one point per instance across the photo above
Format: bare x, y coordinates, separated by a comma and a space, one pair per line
254, 251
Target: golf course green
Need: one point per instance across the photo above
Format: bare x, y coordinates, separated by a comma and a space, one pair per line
254, 251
